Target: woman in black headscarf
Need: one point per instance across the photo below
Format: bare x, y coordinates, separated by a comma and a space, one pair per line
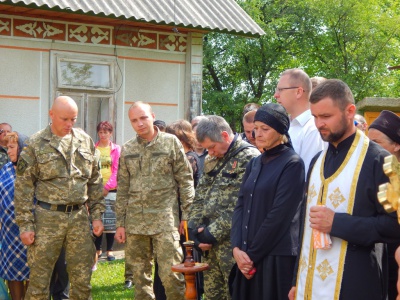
265, 224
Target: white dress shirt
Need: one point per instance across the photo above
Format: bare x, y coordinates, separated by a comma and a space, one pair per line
305, 137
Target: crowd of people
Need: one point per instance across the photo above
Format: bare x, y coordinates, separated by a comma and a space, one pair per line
288, 209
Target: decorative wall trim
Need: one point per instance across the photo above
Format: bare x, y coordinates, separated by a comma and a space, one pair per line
77, 33
152, 60
24, 48
19, 97
153, 103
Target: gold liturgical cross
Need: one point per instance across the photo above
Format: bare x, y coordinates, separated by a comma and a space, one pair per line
324, 269
336, 198
389, 193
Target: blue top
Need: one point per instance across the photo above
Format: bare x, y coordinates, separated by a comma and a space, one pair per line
13, 259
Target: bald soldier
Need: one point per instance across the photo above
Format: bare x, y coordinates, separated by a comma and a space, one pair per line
59, 169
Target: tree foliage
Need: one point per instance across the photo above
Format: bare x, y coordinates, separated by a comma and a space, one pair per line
354, 40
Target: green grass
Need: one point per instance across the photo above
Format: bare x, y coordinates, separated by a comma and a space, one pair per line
108, 281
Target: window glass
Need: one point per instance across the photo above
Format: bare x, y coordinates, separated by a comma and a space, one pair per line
84, 75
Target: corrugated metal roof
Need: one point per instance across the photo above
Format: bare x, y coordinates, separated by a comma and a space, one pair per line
214, 15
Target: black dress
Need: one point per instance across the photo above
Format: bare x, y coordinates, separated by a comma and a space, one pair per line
265, 223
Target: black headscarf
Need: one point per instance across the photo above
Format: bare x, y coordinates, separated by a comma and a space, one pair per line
275, 116
389, 124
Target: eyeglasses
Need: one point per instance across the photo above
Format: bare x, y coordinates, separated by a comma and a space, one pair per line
278, 90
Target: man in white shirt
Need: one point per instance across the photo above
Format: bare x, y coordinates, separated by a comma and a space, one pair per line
293, 93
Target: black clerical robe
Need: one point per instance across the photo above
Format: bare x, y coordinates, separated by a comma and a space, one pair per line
364, 274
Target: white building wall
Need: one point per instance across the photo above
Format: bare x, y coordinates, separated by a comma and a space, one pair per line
22, 82
28, 81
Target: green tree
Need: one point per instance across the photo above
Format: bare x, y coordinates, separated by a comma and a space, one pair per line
76, 74
240, 70
354, 40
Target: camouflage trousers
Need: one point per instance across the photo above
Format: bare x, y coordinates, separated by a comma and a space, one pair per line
128, 270
54, 229
220, 261
142, 250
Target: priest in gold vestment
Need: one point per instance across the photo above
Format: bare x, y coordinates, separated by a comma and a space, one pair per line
342, 204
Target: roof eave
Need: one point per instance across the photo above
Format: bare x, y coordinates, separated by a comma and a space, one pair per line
132, 19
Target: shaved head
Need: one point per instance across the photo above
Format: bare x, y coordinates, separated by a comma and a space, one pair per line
142, 105
142, 118
64, 102
63, 114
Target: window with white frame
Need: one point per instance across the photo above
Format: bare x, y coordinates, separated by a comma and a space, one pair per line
90, 81
85, 74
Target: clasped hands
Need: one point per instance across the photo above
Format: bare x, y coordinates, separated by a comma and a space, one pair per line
202, 238
244, 263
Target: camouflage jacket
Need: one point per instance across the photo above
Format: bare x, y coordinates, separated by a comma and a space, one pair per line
3, 156
44, 172
216, 196
149, 177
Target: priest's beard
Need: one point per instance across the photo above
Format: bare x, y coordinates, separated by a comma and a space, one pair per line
338, 133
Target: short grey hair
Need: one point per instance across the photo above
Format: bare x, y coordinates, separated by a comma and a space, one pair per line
316, 80
360, 119
211, 127
196, 120
6, 124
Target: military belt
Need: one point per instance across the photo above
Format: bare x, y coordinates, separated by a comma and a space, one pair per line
60, 207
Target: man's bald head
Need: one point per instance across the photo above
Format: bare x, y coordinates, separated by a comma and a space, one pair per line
64, 102
63, 114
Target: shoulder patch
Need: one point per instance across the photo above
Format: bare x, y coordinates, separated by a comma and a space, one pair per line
21, 166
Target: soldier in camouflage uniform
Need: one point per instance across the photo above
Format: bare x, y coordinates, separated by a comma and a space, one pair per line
59, 169
4, 129
216, 195
152, 168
